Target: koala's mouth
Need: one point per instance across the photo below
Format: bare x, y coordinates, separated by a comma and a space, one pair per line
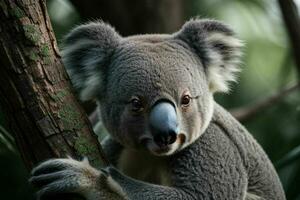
161, 150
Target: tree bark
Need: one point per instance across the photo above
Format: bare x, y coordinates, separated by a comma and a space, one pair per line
40, 109
135, 16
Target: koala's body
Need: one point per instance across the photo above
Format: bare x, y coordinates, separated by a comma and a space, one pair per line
168, 138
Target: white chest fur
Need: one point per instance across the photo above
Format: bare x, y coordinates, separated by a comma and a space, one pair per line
144, 167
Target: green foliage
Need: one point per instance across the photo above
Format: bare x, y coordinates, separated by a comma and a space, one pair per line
45, 50
32, 33
63, 16
83, 148
70, 117
289, 159
17, 12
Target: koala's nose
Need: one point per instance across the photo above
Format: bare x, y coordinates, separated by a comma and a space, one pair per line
165, 139
163, 123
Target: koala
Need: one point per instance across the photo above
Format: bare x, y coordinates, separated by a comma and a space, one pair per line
168, 138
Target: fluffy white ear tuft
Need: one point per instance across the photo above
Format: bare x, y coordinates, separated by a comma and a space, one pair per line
86, 54
218, 48
92, 86
224, 62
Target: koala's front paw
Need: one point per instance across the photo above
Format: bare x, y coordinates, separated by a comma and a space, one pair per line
63, 176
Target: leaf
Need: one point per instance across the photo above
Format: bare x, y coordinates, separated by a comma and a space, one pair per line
289, 158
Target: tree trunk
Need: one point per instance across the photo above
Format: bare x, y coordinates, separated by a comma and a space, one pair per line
41, 111
135, 16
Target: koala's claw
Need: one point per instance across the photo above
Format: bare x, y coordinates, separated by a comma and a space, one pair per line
64, 176
58, 176
105, 173
44, 179
52, 166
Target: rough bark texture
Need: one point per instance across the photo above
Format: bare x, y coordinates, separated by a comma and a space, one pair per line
41, 111
135, 16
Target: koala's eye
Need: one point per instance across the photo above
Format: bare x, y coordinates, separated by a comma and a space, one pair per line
185, 100
136, 105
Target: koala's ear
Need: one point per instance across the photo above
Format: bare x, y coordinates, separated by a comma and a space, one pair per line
218, 48
85, 54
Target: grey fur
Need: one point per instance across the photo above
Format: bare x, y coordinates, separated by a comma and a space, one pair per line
85, 56
217, 159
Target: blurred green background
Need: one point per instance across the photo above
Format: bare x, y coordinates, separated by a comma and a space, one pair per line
268, 66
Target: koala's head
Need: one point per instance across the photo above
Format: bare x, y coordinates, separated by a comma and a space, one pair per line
155, 92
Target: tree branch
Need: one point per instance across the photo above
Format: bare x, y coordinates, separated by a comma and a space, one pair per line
248, 112
292, 22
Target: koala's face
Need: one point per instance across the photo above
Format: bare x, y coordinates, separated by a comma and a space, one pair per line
156, 95
154, 91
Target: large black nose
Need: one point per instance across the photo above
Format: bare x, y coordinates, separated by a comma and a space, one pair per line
163, 123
